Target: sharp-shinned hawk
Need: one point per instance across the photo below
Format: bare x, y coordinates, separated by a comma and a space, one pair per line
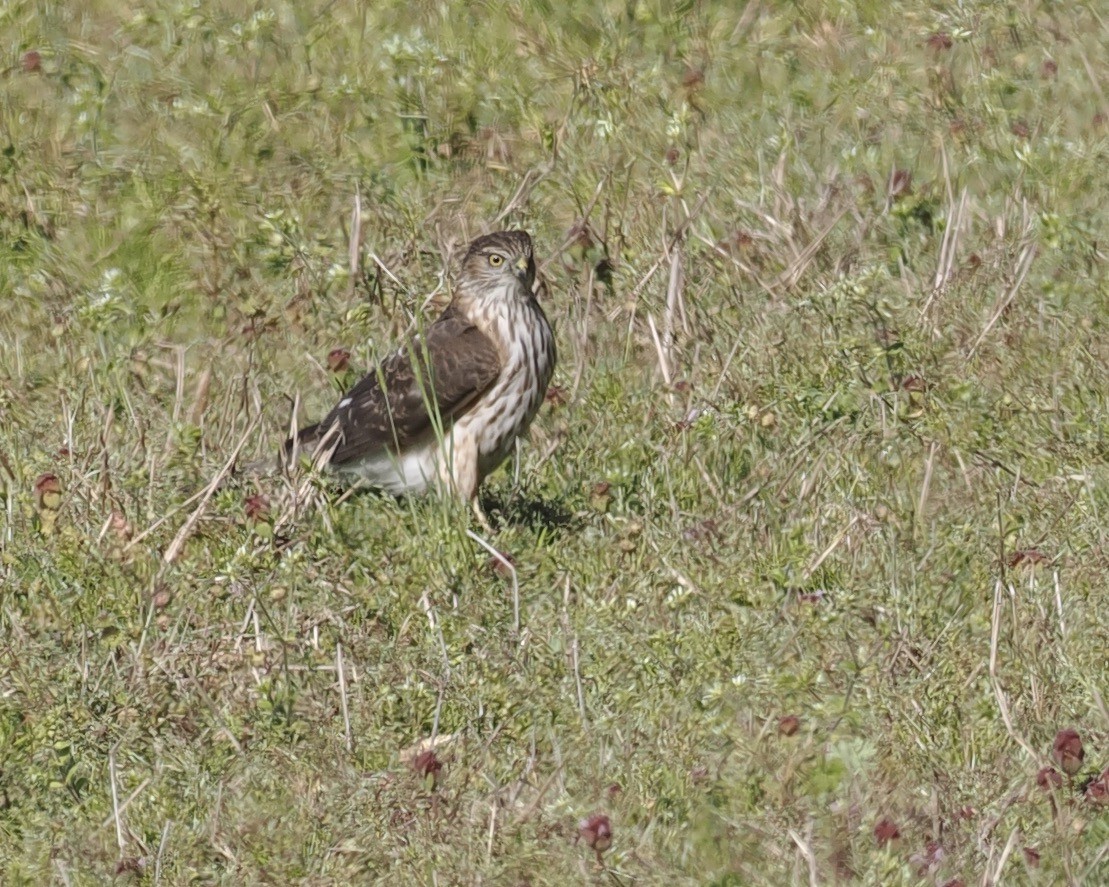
446, 408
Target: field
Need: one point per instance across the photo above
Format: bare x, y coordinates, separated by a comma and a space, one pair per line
806, 555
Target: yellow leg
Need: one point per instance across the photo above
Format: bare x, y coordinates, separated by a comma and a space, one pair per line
480, 515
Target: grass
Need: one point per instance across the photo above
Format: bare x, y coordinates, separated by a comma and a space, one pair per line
809, 549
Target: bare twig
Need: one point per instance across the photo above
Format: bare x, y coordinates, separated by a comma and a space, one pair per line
492, 829
675, 297
161, 851
574, 649
832, 546
999, 694
354, 249
1059, 606
433, 621
531, 178
990, 878
805, 846
574, 234
949, 243
583, 343
633, 296
116, 810
343, 696
663, 361
183, 534
929, 463
1024, 262
508, 565
799, 265
200, 398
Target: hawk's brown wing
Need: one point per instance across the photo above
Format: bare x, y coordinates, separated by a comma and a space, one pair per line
431, 379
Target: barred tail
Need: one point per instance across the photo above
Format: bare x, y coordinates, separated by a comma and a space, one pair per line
317, 442
304, 441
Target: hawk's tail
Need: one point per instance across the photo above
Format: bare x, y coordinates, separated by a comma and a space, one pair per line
317, 442
304, 441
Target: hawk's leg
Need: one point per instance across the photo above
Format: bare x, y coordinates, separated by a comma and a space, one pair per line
480, 515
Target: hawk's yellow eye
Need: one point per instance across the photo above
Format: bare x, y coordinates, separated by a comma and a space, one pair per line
496, 261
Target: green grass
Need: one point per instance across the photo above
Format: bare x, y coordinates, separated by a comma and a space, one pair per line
830, 290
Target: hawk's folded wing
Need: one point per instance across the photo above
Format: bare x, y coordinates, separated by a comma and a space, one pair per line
431, 380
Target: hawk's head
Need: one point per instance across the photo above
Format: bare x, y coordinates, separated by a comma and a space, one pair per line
501, 262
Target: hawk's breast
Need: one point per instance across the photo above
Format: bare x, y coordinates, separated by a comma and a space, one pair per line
506, 410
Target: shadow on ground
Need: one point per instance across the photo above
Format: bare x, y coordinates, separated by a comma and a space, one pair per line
523, 510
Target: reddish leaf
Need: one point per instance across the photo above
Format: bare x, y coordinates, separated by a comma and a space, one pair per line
596, 831
257, 507
886, 830
1028, 556
1067, 751
940, 41
338, 359
901, 183
1097, 791
501, 566
1048, 778
428, 766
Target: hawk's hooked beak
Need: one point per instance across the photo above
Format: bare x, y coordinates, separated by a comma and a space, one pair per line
522, 267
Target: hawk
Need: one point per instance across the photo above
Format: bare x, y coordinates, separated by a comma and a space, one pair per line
446, 408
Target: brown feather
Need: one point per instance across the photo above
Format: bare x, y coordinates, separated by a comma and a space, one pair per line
448, 407
411, 392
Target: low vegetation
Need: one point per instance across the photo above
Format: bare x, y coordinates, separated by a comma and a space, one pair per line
801, 576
